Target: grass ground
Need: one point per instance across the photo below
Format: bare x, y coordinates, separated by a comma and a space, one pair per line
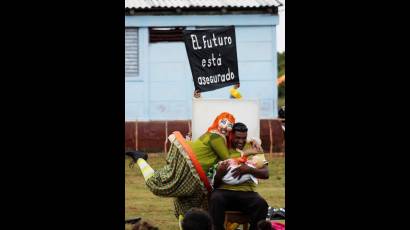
140, 202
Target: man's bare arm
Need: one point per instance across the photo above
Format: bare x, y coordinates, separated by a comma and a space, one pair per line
262, 173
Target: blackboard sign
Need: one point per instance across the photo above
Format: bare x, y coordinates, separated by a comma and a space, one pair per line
212, 57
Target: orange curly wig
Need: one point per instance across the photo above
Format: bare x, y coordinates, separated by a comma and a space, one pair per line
215, 125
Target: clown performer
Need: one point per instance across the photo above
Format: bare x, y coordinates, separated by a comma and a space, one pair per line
183, 177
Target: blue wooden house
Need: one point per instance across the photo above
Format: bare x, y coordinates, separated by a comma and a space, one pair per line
158, 79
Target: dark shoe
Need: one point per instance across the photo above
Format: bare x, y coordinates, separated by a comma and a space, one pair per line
135, 155
133, 220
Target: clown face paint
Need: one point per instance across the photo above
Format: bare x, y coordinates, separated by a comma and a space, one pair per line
225, 126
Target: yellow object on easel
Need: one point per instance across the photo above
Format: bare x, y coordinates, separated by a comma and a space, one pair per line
235, 93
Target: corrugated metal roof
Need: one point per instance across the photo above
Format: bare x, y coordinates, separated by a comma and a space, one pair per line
147, 4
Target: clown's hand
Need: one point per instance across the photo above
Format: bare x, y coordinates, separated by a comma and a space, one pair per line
258, 161
256, 144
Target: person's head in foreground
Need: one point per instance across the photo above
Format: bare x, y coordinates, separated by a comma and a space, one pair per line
143, 225
196, 219
265, 225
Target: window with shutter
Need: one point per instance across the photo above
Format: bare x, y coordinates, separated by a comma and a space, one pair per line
131, 52
166, 34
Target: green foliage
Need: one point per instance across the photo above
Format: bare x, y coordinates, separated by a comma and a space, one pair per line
281, 63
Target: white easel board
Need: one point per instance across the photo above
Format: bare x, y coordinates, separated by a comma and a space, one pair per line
204, 111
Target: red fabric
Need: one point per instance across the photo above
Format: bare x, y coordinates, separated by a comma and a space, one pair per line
278, 226
195, 162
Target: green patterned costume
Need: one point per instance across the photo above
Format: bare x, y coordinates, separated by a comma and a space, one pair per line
179, 178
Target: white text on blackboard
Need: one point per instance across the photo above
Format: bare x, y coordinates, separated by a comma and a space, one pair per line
210, 42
